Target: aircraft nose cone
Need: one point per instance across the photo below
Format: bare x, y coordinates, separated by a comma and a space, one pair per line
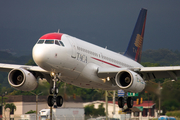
40, 55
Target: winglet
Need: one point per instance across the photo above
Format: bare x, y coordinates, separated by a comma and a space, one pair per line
134, 48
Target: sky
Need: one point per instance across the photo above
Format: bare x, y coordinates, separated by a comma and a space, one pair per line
102, 22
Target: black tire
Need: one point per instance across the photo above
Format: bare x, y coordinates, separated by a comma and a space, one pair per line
59, 101
121, 102
56, 90
50, 101
51, 90
129, 102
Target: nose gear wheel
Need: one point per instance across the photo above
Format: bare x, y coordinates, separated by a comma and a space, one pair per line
53, 98
50, 101
59, 101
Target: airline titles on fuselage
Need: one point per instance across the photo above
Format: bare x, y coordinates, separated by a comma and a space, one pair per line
81, 57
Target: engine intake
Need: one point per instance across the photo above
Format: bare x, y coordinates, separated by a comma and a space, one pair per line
22, 79
129, 81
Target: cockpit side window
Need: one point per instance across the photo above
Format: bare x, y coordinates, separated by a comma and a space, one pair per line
40, 42
57, 43
61, 43
49, 42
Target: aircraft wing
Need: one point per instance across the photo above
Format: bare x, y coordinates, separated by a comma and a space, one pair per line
161, 72
147, 72
9, 67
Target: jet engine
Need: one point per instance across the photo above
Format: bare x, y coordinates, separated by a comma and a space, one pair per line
22, 79
129, 81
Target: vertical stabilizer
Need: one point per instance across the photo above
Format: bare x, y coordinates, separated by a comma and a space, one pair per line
134, 48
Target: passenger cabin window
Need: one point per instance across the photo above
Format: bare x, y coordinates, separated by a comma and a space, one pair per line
40, 42
49, 42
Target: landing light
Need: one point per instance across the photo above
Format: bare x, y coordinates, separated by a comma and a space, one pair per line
52, 73
108, 78
104, 80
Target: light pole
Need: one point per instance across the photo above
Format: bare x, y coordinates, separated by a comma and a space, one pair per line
159, 86
36, 101
106, 99
2, 95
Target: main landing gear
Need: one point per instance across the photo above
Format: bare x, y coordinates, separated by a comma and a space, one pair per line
53, 98
122, 100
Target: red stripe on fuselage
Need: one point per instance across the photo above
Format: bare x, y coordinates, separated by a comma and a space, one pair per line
105, 62
56, 36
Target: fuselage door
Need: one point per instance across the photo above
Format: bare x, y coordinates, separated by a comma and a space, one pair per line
73, 47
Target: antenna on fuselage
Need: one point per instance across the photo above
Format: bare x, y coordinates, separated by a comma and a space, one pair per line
58, 30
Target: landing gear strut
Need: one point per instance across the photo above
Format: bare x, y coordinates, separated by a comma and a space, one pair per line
53, 98
122, 100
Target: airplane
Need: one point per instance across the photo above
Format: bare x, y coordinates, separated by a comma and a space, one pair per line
63, 58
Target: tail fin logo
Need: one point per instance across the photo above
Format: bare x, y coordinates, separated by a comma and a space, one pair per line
139, 41
134, 48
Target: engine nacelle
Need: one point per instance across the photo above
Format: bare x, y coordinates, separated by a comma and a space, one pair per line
22, 79
130, 81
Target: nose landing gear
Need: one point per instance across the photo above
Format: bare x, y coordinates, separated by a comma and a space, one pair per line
53, 98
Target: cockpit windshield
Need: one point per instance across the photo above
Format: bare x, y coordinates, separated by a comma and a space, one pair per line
57, 42
40, 42
49, 42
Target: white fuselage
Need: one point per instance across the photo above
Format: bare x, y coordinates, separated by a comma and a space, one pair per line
78, 61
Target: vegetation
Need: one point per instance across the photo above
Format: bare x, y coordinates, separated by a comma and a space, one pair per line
90, 110
162, 56
7, 57
31, 112
170, 95
31, 62
11, 106
173, 113
85, 94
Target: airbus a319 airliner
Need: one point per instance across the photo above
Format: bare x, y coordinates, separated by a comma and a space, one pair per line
61, 57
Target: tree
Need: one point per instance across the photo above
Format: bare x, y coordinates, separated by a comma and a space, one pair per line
90, 110
171, 105
30, 112
101, 110
31, 62
11, 106
170, 95
42, 87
